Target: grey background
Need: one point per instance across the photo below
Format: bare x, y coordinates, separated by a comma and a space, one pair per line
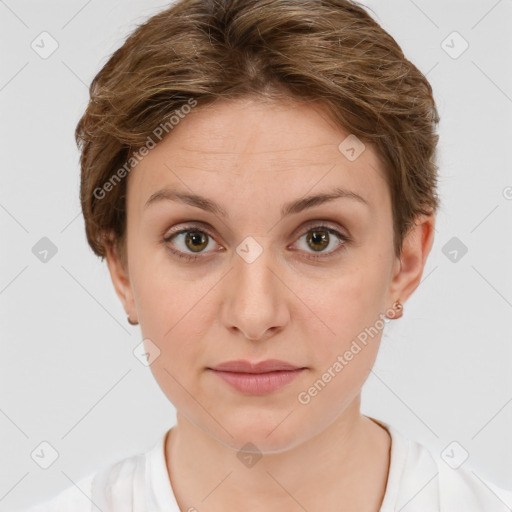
67, 372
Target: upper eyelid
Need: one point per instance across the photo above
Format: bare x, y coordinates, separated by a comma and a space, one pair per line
200, 226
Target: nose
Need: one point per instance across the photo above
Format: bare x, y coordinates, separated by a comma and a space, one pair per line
255, 298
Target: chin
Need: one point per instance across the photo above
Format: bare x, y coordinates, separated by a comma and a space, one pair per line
269, 432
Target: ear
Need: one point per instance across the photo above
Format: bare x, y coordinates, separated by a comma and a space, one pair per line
409, 267
118, 269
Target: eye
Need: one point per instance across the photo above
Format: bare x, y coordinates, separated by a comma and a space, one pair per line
194, 239
319, 238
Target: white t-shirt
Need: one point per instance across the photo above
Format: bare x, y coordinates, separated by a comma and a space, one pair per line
419, 480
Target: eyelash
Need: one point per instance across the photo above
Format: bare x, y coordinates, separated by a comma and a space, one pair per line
191, 258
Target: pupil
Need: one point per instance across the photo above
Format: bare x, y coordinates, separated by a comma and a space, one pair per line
317, 238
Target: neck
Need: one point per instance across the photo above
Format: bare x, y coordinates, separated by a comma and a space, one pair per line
345, 467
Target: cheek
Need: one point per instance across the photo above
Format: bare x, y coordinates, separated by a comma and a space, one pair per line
348, 316
173, 312
173, 316
349, 302
159, 290
344, 353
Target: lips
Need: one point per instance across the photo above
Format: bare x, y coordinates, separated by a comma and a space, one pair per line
269, 365
259, 378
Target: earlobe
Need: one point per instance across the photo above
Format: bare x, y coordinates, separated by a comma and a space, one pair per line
415, 250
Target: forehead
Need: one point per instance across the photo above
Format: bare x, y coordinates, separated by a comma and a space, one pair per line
236, 144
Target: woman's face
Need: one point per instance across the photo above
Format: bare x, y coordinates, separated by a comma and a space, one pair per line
270, 277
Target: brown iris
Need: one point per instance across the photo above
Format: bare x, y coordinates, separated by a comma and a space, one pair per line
198, 240
320, 237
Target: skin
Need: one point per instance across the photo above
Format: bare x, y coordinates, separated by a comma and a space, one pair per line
251, 157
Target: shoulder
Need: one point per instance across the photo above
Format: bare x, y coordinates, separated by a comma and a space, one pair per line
75, 497
109, 487
464, 489
138, 483
443, 482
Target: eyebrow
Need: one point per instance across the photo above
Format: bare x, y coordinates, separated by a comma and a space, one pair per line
294, 207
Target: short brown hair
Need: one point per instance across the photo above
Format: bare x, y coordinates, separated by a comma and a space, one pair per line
330, 51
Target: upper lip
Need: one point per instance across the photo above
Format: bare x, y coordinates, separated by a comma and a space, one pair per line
242, 366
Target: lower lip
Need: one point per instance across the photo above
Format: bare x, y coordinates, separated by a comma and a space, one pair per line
258, 383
